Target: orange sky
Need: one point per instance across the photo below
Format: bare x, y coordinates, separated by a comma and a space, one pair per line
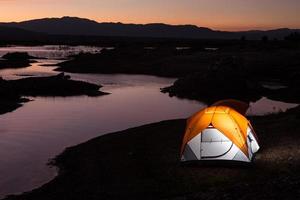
216, 14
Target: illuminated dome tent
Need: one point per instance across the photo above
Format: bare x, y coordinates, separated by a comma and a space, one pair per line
220, 132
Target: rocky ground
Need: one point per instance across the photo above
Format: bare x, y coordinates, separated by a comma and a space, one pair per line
143, 163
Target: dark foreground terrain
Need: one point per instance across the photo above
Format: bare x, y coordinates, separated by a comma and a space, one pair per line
12, 91
143, 163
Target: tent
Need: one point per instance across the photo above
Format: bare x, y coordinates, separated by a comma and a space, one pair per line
220, 132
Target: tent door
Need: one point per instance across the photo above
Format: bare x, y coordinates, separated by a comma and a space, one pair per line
214, 144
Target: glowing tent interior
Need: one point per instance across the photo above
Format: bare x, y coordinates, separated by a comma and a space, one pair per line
220, 132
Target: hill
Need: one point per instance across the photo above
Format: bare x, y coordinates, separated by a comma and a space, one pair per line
79, 26
18, 34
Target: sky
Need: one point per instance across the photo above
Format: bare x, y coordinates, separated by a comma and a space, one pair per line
231, 15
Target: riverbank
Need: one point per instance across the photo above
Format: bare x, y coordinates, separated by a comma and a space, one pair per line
142, 163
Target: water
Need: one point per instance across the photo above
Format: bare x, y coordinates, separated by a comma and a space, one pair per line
266, 106
44, 127
50, 51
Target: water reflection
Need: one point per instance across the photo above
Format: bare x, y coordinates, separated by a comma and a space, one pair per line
34, 70
42, 128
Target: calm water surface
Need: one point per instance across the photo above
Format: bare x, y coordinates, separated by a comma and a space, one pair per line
44, 127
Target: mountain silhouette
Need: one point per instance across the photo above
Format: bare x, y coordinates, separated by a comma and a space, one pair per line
18, 34
85, 27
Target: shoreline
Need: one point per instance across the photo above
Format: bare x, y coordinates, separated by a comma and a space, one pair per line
143, 162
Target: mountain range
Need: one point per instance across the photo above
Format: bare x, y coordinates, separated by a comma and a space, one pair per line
75, 26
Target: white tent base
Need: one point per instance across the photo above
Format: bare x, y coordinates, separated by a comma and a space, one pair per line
212, 145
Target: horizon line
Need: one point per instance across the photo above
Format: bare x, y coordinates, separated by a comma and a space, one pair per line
172, 24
